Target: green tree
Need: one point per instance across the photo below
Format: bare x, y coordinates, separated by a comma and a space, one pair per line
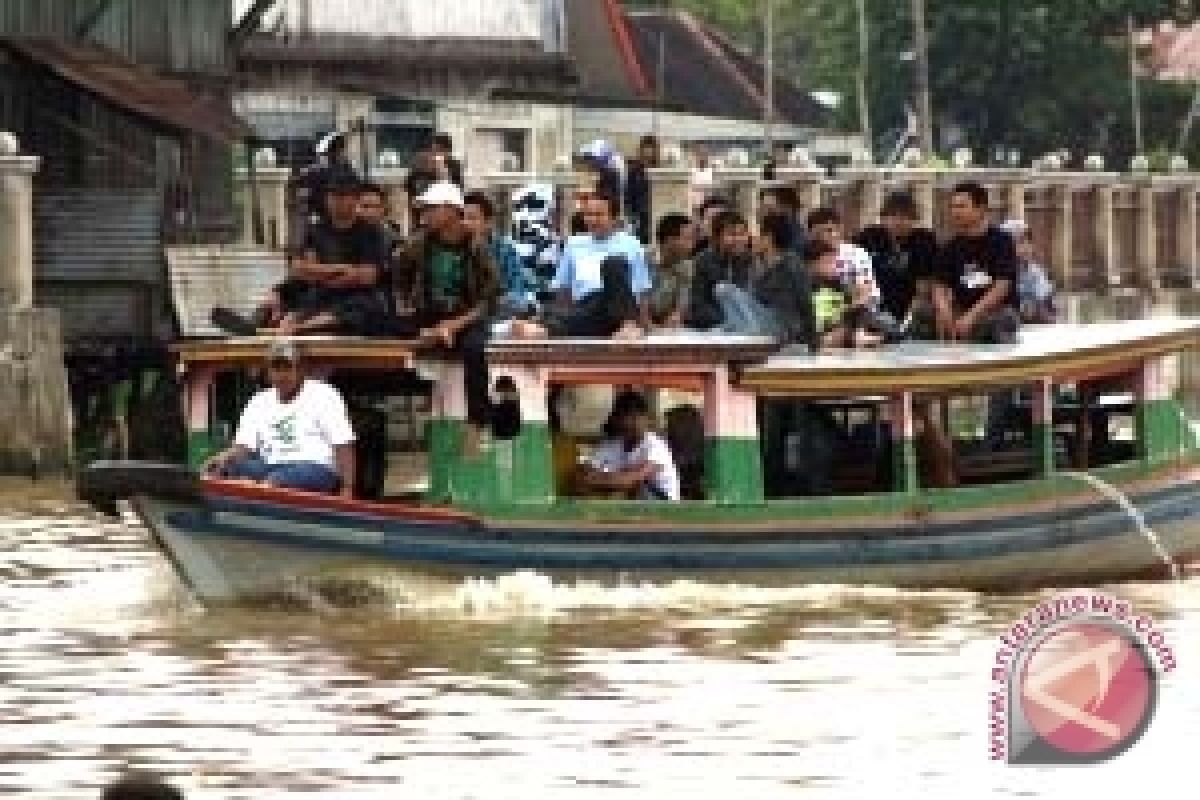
1035, 75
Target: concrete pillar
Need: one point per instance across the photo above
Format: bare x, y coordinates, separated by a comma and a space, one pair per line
743, 184
1147, 239
1063, 250
807, 182
1187, 207
1106, 237
870, 187
669, 192
923, 192
16, 229
348, 110
272, 196
1014, 199
391, 180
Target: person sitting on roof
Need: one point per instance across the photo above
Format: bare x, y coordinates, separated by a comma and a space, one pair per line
633, 462
294, 435
335, 285
1035, 291
843, 318
777, 301
446, 287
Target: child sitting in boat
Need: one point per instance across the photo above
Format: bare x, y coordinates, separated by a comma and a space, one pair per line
843, 316
294, 435
633, 462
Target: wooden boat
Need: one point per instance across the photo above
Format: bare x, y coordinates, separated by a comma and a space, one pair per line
1099, 487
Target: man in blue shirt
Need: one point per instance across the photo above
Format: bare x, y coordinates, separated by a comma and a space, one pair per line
579, 269
479, 217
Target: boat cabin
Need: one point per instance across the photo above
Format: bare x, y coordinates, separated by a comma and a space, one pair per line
760, 435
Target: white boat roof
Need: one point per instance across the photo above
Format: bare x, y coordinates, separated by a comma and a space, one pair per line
1060, 351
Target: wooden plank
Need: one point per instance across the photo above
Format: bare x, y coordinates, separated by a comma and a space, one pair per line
340, 351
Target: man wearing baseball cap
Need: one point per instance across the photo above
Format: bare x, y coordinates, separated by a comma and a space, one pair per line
445, 288
294, 435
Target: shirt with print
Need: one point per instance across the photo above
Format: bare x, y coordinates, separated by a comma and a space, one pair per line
446, 282
579, 266
305, 430
855, 269
612, 456
969, 266
899, 264
830, 302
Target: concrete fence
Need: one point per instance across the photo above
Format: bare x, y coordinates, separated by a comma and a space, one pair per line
1096, 231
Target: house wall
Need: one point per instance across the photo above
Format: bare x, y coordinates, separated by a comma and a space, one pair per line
179, 35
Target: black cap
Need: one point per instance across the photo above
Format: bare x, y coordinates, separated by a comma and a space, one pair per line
900, 204
341, 180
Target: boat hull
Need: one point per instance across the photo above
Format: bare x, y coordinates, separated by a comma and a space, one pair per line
230, 545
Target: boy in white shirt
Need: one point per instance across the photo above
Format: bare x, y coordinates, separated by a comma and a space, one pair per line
633, 461
294, 435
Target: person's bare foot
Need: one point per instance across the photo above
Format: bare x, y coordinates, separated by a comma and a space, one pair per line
523, 329
628, 331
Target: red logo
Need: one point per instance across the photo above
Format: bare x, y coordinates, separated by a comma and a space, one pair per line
1086, 693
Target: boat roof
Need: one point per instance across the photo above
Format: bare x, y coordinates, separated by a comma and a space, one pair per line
678, 348
1062, 351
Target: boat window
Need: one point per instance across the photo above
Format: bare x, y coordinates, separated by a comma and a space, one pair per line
579, 418
991, 434
825, 447
1097, 423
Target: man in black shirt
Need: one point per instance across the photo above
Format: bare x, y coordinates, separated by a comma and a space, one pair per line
335, 284
974, 295
904, 255
728, 260
637, 187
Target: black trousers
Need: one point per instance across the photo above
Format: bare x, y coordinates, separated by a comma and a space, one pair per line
357, 310
604, 311
470, 347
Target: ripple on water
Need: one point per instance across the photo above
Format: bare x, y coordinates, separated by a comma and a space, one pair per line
517, 687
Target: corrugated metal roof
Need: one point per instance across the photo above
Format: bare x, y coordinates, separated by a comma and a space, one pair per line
234, 277
416, 19
132, 87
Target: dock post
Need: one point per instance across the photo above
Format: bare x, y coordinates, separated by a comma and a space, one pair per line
906, 466
734, 462
16, 228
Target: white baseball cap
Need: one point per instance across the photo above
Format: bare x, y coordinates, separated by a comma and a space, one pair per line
442, 194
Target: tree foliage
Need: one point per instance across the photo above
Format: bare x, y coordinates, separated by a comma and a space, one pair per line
1034, 75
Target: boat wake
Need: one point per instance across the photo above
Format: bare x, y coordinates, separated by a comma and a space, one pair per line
530, 594
1135, 516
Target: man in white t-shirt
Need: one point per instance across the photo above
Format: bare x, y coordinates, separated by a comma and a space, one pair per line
633, 461
294, 435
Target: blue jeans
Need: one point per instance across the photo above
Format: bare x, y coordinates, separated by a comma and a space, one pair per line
743, 313
305, 477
